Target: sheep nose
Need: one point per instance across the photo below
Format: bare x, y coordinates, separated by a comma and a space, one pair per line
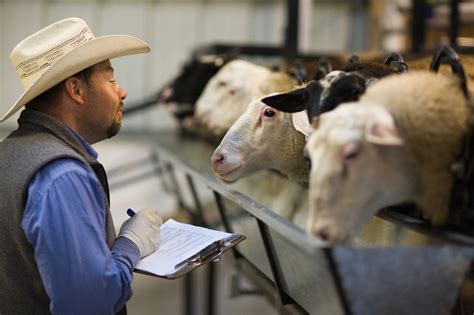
232, 91
217, 159
166, 94
323, 233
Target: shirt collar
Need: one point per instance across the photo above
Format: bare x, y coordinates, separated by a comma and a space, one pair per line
86, 145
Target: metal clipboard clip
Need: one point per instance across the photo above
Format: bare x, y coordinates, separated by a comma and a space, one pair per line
211, 252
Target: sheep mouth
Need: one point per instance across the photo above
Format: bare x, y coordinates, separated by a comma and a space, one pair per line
227, 174
332, 232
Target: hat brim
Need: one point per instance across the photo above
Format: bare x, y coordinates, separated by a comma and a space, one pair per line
84, 56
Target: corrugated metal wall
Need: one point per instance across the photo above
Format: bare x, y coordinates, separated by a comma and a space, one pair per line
172, 28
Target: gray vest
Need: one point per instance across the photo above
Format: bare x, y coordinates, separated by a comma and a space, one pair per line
38, 140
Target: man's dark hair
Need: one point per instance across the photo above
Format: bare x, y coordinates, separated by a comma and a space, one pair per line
50, 96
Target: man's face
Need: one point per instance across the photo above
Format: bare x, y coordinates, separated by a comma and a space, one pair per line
104, 99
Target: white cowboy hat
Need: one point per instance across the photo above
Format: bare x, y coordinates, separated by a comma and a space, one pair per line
60, 50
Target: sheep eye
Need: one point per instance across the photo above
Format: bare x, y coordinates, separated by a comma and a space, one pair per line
307, 159
222, 83
351, 155
350, 151
269, 113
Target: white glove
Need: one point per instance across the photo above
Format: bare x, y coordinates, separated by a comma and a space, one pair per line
144, 230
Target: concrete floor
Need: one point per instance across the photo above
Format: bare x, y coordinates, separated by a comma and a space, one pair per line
161, 296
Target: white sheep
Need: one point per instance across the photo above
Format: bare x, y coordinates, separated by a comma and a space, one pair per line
227, 94
262, 138
396, 144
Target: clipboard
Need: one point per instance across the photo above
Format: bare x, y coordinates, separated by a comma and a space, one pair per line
211, 253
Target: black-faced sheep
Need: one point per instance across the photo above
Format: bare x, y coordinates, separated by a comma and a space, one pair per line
181, 94
344, 85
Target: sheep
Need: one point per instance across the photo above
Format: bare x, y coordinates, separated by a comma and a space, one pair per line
266, 138
262, 138
227, 93
396, 144
181, 94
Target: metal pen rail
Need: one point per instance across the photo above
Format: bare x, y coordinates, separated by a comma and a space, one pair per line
395, 266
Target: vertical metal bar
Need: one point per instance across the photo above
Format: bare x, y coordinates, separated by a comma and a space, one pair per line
225, 222
285, 299
198, 217
222, 211
174, 182
158, 170
454, 21
337, 281
418, 26
211, 289
199, 220
291, 34
188, 294
237, 256
188, 278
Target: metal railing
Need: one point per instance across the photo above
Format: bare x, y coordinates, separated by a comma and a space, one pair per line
396, 266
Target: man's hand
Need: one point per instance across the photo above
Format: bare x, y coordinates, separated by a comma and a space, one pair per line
144, 230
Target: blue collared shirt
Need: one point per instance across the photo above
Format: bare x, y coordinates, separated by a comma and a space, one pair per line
64, 221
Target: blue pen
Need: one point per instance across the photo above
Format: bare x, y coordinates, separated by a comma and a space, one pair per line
130, 212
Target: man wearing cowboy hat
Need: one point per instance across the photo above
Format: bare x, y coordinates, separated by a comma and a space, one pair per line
59, 253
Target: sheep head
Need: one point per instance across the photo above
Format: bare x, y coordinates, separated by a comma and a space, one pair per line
356, 152
227, 94
321, 96
262, 138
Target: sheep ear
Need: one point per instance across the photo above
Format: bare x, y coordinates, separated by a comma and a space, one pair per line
291, 102
323, 68
301, 122
381, 130
298, 70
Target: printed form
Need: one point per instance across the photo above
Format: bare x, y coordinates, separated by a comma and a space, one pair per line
178, 241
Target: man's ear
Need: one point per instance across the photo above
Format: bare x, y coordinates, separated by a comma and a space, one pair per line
75, 89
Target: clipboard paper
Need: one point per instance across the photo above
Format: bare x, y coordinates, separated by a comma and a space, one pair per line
185, 247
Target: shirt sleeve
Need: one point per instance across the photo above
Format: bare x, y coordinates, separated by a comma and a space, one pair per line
64, 221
